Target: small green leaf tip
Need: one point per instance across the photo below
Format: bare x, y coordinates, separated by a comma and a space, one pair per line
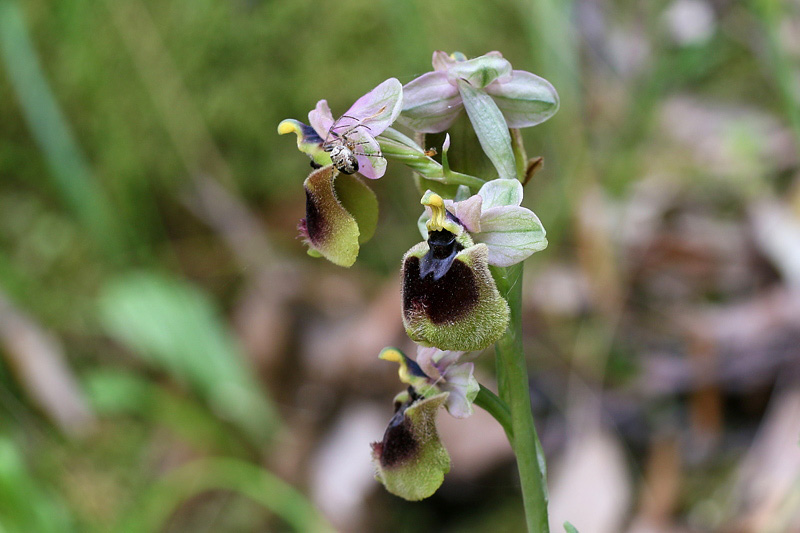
341, 212
411, 461
308, 141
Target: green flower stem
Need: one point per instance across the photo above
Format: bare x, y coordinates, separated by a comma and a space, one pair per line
489, 401
520, 156
397, 147
512, 375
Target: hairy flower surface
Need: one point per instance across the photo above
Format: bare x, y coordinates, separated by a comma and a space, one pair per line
450, 299
341, 212
433, 102
410, 460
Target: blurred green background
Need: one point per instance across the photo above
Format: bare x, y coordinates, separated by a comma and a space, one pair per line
171, 360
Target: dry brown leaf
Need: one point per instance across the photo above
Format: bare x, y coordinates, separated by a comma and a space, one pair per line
766, 491
37, 360
342, 475
660, 493
591, 486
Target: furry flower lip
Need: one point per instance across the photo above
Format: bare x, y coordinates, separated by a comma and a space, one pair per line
410, 460
450, 299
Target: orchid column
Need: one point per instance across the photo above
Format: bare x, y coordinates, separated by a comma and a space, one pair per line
462, 284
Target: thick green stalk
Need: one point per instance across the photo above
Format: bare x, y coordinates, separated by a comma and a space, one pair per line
397, 147
512, 376
488, 401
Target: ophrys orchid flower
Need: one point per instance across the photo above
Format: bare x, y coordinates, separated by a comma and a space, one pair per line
450, 299
341, 211
410, 460
495, 217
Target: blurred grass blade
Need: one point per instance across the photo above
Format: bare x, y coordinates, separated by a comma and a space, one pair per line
175, 327
114, 393
771, 14
24, 506
224, 474
68, 167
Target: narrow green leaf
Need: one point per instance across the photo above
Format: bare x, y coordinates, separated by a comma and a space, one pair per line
222, 473
117, 392
490, 127
176, 328
25, 505
69, 168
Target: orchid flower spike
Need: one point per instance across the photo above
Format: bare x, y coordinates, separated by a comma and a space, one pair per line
349, 141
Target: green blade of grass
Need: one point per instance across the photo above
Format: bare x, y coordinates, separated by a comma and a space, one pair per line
234, 475
68, 166
175, 327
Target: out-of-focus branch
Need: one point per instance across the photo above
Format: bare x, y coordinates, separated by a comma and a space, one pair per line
37, 360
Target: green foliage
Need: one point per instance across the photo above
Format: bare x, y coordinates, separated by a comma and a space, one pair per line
486, 118
159, 501
176, 328
24, 504
116, 393
95, 179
